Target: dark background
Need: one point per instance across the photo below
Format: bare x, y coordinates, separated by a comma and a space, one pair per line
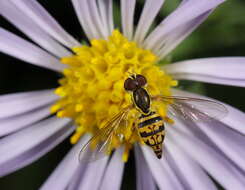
223, 34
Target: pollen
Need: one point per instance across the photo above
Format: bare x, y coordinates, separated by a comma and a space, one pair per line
92, 88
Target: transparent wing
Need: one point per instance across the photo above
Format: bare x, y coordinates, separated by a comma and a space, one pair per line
87, 153
195, 109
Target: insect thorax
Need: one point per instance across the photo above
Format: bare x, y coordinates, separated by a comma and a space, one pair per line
142, 100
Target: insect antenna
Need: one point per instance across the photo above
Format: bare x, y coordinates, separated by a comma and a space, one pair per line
131, 74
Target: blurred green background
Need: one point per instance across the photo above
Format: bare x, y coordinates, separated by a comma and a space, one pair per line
223, 34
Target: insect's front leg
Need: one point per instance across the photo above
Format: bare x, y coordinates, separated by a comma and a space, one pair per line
168, 120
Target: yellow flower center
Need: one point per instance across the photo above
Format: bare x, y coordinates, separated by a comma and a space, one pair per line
92, 89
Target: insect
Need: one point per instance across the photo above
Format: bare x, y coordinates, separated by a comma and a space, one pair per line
150, 125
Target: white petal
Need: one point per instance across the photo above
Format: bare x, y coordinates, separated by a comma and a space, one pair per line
114, 172
19, 103
224, 70
235, 118
15, 123
162, 173
62, 175
192, 175
181, 32
26, 51
144, 177
21, 148
182, 15
127, 16
40, 16
216, 164
106, 12
151, 8
31, 29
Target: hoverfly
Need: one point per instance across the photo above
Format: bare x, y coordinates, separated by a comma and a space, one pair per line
150, 125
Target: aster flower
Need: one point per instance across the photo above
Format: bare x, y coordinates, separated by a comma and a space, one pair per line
91, 92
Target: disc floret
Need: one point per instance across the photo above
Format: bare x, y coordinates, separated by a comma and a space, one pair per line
92, 89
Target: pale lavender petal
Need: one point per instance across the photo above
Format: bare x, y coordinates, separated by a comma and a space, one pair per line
230, 141
144, 176
26, 51
175, 38
63, 174
188, 11
20, 95
31, 29
96, 19
223, 70
151, 8
40, 16
190, 173
94, 175
184, 1
24, 147
106, 12
127, 16
114, 172
15, 123
89, 18
24, 102
161, 171
172, 39
235, 118
210, 159
83, 22
76, 178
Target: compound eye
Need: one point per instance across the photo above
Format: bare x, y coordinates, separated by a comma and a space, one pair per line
141, 80
130, 84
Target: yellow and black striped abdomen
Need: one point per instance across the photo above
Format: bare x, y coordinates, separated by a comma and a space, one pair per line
151, 129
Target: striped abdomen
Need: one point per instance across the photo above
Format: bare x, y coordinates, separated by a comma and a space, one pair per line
151, 129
